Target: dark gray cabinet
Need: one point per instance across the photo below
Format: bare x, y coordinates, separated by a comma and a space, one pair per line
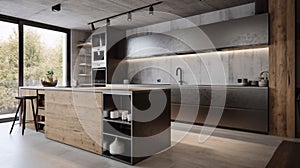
245, 108
243, 32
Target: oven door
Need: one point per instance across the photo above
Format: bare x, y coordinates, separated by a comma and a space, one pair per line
99, 77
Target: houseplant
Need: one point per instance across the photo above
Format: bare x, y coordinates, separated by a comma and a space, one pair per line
49, 79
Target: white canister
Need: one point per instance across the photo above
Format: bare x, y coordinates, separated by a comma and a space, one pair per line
114, 114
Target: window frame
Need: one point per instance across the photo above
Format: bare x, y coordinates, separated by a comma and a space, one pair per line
21, 22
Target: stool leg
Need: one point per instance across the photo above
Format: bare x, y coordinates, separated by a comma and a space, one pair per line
24, 117
34, 116
21, 101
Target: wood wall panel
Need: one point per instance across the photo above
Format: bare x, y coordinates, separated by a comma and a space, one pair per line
282, 68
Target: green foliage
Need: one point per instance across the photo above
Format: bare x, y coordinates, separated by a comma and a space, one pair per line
38, 58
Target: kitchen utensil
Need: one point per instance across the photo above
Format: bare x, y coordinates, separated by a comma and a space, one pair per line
254, 83
263, 83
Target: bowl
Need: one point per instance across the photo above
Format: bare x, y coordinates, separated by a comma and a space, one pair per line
49, 84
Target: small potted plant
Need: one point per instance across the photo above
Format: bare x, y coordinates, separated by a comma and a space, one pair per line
49, 79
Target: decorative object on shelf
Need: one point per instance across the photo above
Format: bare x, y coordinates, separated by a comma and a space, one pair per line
114, 114
49, 81
117, 147
242, 82
124, 114
105, 145
129, 117
263, 79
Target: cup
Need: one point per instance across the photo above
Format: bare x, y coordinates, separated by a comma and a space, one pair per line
129, 117
124, 114
125, 81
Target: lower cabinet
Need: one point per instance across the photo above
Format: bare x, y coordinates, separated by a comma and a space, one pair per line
75, 118
146, 132
245, 108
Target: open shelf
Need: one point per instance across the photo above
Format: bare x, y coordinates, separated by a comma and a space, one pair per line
84, 75
117, 121
113, 135
120, 158
87, 44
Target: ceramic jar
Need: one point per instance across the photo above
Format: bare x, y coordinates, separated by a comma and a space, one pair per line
117, 147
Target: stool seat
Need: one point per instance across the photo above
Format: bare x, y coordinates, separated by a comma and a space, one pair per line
26, 97
23, 103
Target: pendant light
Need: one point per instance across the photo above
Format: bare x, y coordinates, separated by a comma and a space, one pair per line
129, 16
151, 10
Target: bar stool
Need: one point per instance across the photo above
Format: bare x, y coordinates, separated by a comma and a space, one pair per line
23, 102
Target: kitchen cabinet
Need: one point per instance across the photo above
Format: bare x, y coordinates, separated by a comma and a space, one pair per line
237, 33
246, 108
135, 134
108, 48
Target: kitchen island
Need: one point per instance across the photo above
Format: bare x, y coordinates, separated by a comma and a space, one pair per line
74, 116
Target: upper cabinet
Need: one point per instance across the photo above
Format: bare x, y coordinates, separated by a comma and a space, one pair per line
236, 33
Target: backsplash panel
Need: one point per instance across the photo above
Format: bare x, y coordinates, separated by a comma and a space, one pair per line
214, 68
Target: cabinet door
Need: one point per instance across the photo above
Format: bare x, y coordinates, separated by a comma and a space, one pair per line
29, 115
75, 118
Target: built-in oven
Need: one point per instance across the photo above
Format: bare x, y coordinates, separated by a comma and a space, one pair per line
98, 57
99, 76
98, 50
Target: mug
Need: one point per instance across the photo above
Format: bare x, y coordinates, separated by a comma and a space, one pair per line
125, 81
129, 117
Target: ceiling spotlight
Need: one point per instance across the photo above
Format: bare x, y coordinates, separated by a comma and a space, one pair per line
129, 17
107, 22
56, 8
93, 27
151, 10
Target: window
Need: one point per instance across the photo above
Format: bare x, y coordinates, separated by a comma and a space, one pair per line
44, 50
28, 50
9, 53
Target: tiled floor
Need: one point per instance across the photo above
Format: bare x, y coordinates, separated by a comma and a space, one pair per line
225, 148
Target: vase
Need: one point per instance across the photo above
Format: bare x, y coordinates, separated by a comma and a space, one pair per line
116, 147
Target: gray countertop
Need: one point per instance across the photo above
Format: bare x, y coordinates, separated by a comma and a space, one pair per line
141, 87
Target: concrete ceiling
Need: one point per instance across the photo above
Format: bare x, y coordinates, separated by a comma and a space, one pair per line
75, 14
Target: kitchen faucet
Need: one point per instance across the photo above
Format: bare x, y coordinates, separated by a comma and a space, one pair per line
180, 75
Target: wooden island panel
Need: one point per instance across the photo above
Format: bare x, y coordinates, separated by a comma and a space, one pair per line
75, 118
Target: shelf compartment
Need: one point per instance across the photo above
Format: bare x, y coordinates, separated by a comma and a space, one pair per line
126, 156
120, 158
122, 130
85, 75
85, 64
119, 121
87, 44
122, 137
